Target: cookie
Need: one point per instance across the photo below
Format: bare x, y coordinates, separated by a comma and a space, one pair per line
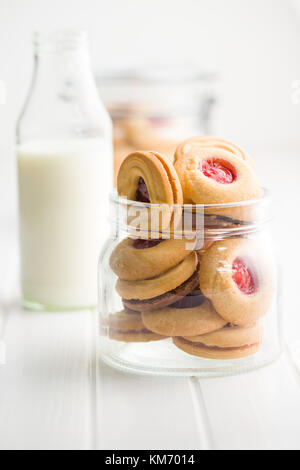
163, 290
192, 146
217, 177
128, 327
138, 259
237, 275
198, 349
165, 299
174, 321
149, 177
231, 336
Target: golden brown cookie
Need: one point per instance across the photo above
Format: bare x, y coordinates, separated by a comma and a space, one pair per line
237, 275
192, 146
169, 280
127, 326
149, 177
138, 259
216, 177
163, 290
230, 336
200, 350
172, 321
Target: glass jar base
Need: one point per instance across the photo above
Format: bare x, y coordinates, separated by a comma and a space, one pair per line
160, 359
37, 307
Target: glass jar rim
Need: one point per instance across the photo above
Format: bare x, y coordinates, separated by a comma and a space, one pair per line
265, 199
217, 220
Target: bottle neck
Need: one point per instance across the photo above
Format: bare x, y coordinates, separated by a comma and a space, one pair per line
62, 58
63, 99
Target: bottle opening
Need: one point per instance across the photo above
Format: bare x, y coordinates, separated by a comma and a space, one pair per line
60, 41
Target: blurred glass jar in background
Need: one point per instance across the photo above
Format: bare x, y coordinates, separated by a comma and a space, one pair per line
64, 149
156, 109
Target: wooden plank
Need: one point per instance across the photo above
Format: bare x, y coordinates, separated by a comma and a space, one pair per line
45, 393
145, 413
259, 410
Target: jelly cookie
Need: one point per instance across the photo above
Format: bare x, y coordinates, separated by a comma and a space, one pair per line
128, 327
138, 259
200, 350
238, 277
149, 177
192, 146
163, 290
174, 321
216, 177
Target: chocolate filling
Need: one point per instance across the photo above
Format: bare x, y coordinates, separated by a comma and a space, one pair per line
142, 330
193, 299
140, 244
166, 299
217, 221
142, 194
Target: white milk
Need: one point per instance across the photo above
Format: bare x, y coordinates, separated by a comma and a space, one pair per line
63, 192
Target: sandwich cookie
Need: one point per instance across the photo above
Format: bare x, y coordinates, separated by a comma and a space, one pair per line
238, 277
138, 259
179, 321
192, 146
128, 327
163, 290
149, 177
231, 342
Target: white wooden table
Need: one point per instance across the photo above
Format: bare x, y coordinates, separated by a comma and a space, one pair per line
56, 394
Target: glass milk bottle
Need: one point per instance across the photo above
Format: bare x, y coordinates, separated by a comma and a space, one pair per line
64, 152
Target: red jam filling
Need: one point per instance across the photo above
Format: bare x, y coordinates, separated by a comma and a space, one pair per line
243, 277
140, 244
220, 171
142, 194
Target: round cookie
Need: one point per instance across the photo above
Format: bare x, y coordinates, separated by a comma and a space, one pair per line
128, 327
138, 259
192, 146
163, 290
197, 349
149, 177
216, 177
173, 321
237, 275
167, 281
230, 336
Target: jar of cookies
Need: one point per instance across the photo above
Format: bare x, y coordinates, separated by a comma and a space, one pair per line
187, 278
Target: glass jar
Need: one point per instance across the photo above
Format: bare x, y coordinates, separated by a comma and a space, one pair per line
156, 107
189, 290
64, 153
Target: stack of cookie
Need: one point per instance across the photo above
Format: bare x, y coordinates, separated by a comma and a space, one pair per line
209, 301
